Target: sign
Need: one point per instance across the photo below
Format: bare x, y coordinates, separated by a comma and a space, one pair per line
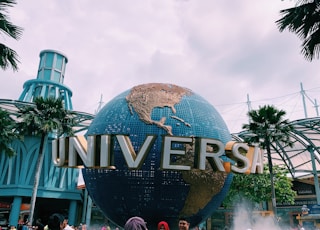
5, 205
96, 152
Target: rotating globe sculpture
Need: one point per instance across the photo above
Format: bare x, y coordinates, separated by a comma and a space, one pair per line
150, 191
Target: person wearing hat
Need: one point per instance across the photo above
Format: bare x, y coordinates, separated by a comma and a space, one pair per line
162, 225
135, 223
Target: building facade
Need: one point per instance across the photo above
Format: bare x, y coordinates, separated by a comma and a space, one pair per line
57, 191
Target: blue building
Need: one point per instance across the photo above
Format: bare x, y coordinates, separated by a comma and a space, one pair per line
57, 190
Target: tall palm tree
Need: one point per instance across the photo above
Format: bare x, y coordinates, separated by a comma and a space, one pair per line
8, 133
304, 20
47, 116
266, 126
8, 56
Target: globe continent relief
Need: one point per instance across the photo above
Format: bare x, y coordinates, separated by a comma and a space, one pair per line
153, 193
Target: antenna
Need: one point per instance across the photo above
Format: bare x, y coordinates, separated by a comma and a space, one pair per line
303, 93
249, 106
100, 105
314, 103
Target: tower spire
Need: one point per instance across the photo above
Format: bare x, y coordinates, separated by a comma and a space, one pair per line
49, 81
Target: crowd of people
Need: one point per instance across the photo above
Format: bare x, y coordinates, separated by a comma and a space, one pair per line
55, 222
60, 222
138, 223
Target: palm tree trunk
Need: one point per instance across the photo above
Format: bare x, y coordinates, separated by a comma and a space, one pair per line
273, 193
42, 149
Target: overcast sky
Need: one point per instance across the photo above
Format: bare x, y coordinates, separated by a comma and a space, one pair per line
224, 51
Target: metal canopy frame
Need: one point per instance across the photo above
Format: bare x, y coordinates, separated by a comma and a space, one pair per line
303, 159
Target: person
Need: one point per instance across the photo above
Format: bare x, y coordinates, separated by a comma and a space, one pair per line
183, 224
25, 226
135, 223
162, 225
66, 225
105, 227
55, 222
39, 225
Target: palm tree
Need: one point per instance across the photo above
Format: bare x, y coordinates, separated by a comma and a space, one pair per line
304, 20
47, 116
8, 133
266, 126
8, 56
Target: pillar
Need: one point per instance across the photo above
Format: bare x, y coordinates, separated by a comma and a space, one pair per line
15, 211
72, 212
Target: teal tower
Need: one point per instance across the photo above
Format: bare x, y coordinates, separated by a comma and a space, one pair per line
49, 81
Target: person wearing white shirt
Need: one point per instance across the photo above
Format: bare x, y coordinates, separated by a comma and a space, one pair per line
66, 226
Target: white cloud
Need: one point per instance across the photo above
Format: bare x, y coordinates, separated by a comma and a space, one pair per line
222, 50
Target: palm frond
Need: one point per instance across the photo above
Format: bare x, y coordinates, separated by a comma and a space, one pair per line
47, 115
304, 21
8, 57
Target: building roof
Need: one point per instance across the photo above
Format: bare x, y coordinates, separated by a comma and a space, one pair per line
304, 156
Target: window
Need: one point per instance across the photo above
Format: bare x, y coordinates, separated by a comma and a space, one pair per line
56, 76
59, 62
47, 74
49, 59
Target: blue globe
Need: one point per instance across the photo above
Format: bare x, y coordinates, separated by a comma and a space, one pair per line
153, 193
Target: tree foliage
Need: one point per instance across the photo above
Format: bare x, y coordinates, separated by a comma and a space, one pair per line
48, 115
268, 126
8, 133
257, 187
303, 20
8, 57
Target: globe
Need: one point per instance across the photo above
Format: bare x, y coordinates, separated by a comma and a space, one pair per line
152, 192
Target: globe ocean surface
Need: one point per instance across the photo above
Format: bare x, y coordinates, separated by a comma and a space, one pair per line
153, 193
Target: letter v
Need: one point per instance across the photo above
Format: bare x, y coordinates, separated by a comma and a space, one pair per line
133, 160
